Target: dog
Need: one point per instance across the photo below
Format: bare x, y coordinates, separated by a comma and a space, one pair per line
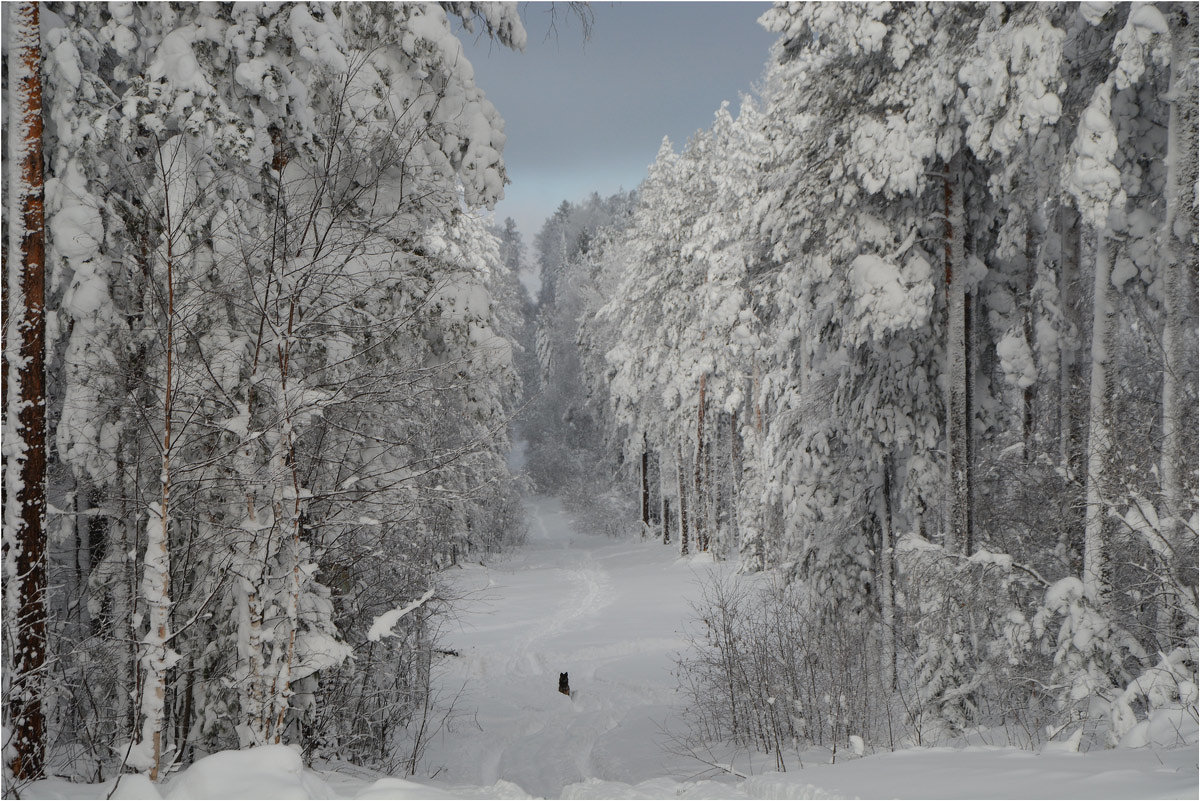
564, 686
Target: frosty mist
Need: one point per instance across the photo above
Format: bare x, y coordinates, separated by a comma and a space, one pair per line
903, 352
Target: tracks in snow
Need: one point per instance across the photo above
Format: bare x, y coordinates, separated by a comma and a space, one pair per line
607, 612
593, 593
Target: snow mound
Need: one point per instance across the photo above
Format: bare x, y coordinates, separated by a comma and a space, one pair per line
399, 788
269, 771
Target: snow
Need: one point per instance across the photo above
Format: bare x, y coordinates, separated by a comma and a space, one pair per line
610, 613
1094, 180
1064, 592
1094, 12
1145, 37
891, 156
1016, 360
270, 771
316, 40
131, 786
175, 63
977, 772
383, 624
888, 298
974, 772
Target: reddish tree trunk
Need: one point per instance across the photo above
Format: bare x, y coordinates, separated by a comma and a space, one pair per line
25, 464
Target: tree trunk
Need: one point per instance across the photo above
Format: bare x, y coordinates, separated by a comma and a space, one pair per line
157, 658
1099, 441
666, 520
645, 487
1032, 263
700, 513
124, 590
290, 506
733, 482
683, 506
720, 472
887, 599
712, 495
664, 498
25, 397
958, 413
1179, 342
1068, 439
749, 509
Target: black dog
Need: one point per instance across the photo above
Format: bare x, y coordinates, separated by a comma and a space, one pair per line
563, 686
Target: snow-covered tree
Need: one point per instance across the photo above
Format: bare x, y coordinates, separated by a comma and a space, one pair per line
276, 354
925, 279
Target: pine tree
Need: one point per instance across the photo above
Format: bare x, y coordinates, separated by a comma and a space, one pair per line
1178, 292
25, 398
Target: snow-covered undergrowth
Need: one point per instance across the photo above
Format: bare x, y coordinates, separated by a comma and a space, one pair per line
612, 614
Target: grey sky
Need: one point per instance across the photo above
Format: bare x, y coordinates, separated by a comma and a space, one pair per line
590, 116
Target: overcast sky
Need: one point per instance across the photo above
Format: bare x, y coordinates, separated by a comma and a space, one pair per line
583, 116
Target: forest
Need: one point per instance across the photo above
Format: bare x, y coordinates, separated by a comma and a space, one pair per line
908, 342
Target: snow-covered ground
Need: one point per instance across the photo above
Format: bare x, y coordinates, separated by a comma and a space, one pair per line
610, 614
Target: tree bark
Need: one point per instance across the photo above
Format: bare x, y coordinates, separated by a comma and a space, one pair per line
645, 487
1032, 263
1099, 441
157, 658
1068, 438
700, 513
683, 506
664, 498
666, 520
887, 599
958, 378
710, 499
735, 480
25, 397
749, 510
1179, 257
291, 508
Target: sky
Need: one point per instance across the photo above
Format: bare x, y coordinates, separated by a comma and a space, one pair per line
583, 116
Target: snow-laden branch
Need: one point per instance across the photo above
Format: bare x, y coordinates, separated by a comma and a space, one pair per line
383, 624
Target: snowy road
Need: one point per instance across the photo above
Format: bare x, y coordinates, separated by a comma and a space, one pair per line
607, 612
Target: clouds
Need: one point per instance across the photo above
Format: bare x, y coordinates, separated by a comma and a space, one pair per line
583, 116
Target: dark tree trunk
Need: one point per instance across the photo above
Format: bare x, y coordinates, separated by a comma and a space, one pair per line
683, 507
666, 520
645, 487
